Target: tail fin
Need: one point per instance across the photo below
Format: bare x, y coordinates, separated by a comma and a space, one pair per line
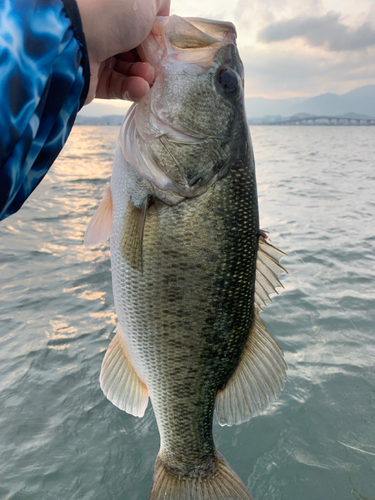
223, 484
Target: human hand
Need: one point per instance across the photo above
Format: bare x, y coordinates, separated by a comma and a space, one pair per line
112, 30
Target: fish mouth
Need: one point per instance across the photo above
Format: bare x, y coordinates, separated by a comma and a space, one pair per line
173, 36
191, 44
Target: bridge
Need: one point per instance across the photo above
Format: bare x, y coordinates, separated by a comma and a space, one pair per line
324, 120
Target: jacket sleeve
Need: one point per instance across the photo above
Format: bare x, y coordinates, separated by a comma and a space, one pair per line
44, 82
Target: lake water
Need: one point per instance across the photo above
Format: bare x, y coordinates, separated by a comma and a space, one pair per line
61, 439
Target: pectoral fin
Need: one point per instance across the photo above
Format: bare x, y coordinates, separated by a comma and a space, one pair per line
120, 382
261, 373
131, 239
100, 225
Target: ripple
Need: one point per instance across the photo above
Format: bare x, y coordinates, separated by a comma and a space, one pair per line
62, 439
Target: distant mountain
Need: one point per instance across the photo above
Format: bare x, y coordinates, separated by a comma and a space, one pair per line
260, 106
105, 107
325, 104
99, 120
354, 115
303, 115
359, 101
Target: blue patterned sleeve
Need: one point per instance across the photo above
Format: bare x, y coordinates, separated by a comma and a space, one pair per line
44, 80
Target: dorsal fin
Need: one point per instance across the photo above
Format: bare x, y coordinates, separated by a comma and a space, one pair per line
268, 271
261, 373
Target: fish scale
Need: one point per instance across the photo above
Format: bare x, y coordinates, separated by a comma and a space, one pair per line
191, 270
190, 310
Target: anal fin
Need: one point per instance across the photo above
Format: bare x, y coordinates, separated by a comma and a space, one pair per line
119, 380
261, 373
257, 381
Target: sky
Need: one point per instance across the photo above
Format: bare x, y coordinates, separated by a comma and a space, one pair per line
292, 48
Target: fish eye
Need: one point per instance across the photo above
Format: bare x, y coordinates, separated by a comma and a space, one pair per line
228, 80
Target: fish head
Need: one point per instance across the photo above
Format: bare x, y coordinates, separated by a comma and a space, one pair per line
186, 127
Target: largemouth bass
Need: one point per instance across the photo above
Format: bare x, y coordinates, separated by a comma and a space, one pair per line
191, 268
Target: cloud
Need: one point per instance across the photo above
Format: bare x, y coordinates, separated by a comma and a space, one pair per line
287, 71
324, 31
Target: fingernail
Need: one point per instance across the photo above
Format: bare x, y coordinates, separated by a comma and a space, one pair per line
138, 91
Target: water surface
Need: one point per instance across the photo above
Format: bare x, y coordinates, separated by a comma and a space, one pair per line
61, 439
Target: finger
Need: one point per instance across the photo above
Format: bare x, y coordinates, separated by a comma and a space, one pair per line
164, 12
114, 85
134, 88
144, 70
164, 8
